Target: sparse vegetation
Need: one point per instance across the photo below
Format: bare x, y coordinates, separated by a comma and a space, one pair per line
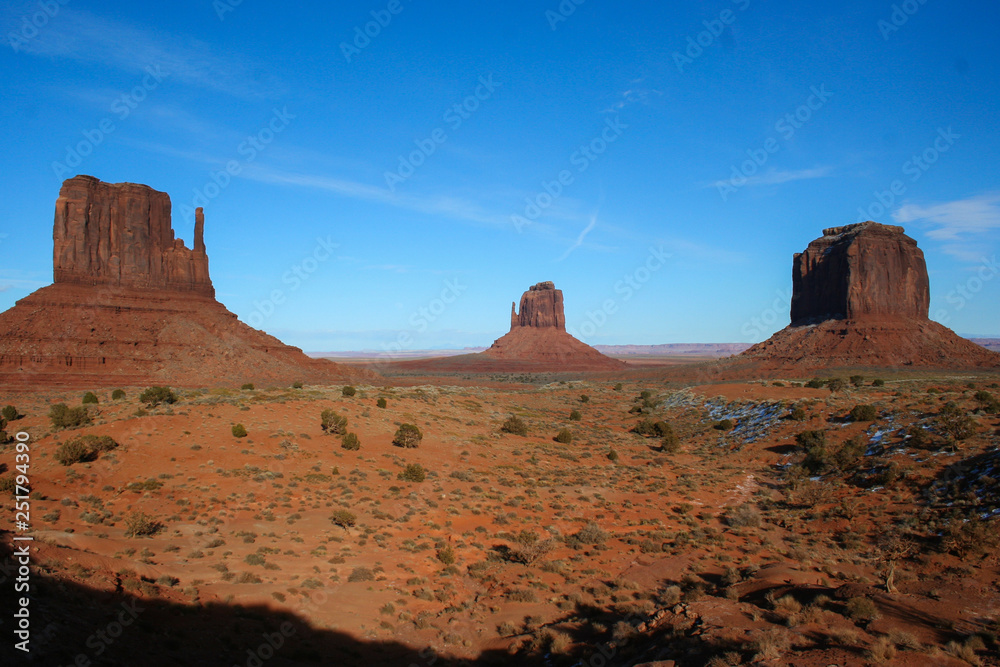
333, 423
140, 524
515, 426
10, 413
382, 403
348, 391
863, 413
350, 442
575, 416
155, 396
414, 472
90, 398
247, 387
117, 394
239, 431
564, 436
63, 416
344, 518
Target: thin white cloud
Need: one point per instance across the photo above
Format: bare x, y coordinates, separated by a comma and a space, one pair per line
777, 177
80, 35
579, 240
632, 96
956, 220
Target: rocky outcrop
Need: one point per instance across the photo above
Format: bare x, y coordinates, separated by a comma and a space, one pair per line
541, 307
859, 272
132, 306
120, 234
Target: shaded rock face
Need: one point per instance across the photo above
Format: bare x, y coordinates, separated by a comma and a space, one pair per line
541, 307
120, 235
860, 272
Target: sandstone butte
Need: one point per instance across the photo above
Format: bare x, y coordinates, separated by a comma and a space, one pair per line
537, 342
131, 305
860, 298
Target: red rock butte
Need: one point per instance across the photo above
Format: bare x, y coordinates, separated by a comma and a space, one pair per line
131, 305
860, 298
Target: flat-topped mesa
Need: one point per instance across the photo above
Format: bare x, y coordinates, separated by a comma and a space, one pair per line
858, 272
120, 234
541, 307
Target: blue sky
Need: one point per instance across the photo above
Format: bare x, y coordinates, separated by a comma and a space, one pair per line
660, 163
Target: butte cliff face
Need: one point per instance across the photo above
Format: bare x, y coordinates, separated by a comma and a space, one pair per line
131, 305
541, 306
858, 272
860, 299
119, 234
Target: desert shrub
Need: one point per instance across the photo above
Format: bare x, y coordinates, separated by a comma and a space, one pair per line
156, 395
350, 442
117, 394
247, 387
4, 438
770, 644
857, 380
254, 559
515, 425
861, 609
63, 416
575, 416
8, 484
956, 424
618, 386
807, 439
743, 516
414, 472
882, 650
382, 403
361, 574
344, 518
835, 385
816, 383
407, 436
863, 413
971, 538
670, 443
798, 414
10, 413
612, 455
878, 383
446, 555
90, 398
239, 431
725, 425
565, 436
348, 391
584, 398
590, 535
74, 451
919, 437
333, 423
988, 402
140, 524
297, 384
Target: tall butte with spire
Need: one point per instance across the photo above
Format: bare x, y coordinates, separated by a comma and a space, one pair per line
861, 298
131, 304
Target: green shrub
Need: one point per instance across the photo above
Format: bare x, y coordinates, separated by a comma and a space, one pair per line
807, 439
835, 385
350, 442
648, 428
744, 516
10, 413
414, 472
575, 416
618, 386
117, 394
74, 451
361, 574
90, 398
382, 403
515, 425
8, 485
407, 436
584, 398
297, 385
140, 524
612, 455
863, 413
862, 609
670, 443
156, 395
725, 425
564, 436
590, 535
239, 431
348, 391
63, 416
333, 423
247, 387
446, 555
956, 423
878, 383
344, 518
798, 414
919, 437
816, 383
988, 402
857, 380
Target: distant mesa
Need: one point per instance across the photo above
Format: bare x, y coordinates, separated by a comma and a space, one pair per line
860, 298
541, 306
132, 305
